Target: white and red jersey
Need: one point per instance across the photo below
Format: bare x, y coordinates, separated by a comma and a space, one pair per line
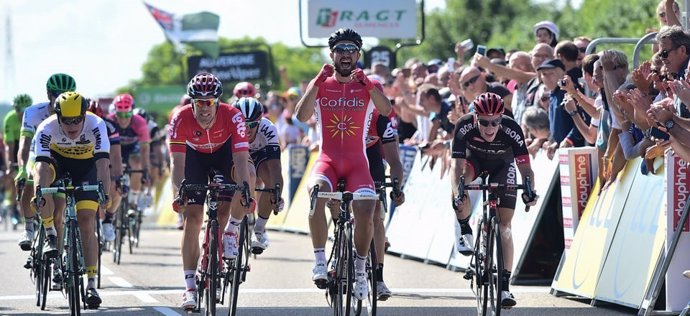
184, 131
136, 132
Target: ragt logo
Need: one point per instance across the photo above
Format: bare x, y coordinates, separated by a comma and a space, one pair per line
346, 102
328, 17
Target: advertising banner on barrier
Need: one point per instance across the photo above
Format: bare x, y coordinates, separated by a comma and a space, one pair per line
298, 156
407, 158
637, 243
579, 272
381, 19
678, 189
578, 167
297, 217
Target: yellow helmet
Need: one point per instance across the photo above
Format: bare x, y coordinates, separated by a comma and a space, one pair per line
70, 104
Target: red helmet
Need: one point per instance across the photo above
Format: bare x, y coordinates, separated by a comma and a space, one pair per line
123, 103
204, 85
488, 104
244, 89
94, 108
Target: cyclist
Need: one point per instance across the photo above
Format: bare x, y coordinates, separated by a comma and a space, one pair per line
244, 89
204, 136
12, 126
115, 172
184, 100
33, 116
489, 141
382, 141
343, 98
74, 141
156, 145
134, 144
264, 149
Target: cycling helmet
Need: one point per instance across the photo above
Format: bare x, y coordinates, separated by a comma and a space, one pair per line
344, 35
488, 104
244, 89
124, 103
141, 112
59, 83
21, 102
94, 108
204, 85
251, 108
70, 104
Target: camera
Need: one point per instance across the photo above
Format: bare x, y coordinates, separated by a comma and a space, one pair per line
561, 83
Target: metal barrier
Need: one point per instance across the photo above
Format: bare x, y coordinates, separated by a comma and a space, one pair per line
649, 38
610, 40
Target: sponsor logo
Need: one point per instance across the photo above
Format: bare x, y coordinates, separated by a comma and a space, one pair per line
583, 183
82, 139
341, 127
680, 190
328, 17
344, 102
514, 135
238, 119
268, 133
45, 142
390, 131
97, 136
298, 162
463, 130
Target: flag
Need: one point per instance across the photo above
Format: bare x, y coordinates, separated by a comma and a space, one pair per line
199, 30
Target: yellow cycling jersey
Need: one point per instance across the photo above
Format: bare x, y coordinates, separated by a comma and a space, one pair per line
92, 142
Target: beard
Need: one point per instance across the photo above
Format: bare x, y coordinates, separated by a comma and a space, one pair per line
344, 71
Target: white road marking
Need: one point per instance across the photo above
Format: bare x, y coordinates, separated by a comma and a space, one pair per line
120, 282
145, 297
166, 311
106, 271
514, 290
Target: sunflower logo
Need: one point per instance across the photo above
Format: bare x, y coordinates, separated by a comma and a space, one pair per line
341, 126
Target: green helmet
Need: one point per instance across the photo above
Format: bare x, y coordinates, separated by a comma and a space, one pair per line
59, 83
22, 101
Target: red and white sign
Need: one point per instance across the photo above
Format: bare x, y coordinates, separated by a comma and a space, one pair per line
578, 169
381, 19
677, 192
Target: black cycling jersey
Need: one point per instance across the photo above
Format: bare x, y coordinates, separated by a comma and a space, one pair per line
509, 142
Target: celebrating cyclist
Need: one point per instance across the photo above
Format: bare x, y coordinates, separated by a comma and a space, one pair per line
12, 126
343, 98
74, 141
33, 116
134, 144
488, 141
208, 135
264, 148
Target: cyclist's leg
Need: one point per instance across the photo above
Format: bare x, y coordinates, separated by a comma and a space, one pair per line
378, 174
269, 172
359, 181
44, 175
325, 177
506, 210
135, 163
237, 212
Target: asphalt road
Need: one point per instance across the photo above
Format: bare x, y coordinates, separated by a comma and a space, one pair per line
150, 282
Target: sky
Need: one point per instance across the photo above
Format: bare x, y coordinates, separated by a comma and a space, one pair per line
103, 43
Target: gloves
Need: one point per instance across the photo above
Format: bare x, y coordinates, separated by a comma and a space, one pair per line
358, 74
21, 175
457, 202
177, 204
529, 197
326, 71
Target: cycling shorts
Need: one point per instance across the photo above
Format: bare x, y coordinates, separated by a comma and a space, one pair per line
128, 150
266, 153
376, 167
499, 171
81, 171
353, 168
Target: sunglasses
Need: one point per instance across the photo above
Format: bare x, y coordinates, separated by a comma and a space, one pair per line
662, 14
54, 94
582, 49
243, 92
486, 123
253, 124
71, 120
345, 49
664, 53
469, 82
205, 102
124, 115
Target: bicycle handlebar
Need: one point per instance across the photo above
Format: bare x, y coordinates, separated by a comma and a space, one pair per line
69, 189
527, 187
185, 188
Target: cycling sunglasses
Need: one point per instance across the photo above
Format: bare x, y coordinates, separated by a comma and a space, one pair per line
345, 48
486, 123
244, 92
205, 102
664, 53
253, 124
124, 115
469, 82
71, 120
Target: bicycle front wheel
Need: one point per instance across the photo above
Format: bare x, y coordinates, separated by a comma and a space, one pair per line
481, 261
73, 277
344, 274
497, 269
237, 267
211, 268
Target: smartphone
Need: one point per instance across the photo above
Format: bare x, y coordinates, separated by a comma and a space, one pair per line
659, 134
451, 64
481, 50
407, 72
467, 44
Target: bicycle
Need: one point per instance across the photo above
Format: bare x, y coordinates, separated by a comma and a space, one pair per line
72, 259
486, 262
341, 278
127, 225
275, 197
135, 218
39, 266
210, 277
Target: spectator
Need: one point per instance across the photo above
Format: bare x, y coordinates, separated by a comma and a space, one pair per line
561, 125
568, 53
473, 83
438, 111
536, 121
546, 32
581, 42
663, 12
434, 65
496, 52
674, 46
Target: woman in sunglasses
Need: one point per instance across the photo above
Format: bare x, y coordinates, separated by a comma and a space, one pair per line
488, 140
134, 142
74, 141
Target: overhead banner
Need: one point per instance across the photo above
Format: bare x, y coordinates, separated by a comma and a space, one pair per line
239, 66
380, 19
